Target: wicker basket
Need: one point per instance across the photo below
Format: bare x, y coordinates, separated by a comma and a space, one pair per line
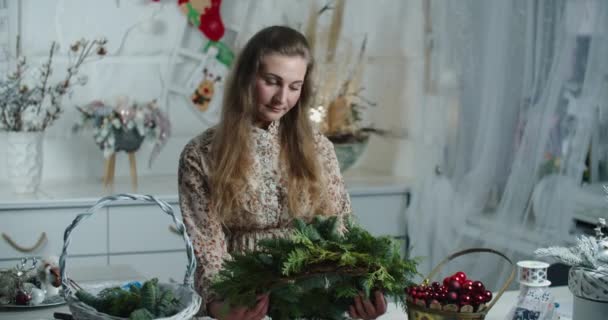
418, 312
186, 294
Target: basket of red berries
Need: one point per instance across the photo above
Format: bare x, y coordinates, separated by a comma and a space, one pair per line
457, 297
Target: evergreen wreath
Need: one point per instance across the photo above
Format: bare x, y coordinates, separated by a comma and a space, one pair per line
316, 272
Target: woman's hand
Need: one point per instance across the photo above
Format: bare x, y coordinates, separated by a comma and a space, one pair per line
365, 309
256, 312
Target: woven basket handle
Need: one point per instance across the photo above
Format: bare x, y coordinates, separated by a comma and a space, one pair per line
101, 203
478, 250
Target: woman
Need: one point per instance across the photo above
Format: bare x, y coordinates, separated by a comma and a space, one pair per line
261, 166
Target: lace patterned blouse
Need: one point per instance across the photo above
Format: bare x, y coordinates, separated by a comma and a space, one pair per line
265, 204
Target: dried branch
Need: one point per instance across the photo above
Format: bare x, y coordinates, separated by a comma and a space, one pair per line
334, 30
26, 109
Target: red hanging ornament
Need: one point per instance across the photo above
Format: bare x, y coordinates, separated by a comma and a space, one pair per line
205, 15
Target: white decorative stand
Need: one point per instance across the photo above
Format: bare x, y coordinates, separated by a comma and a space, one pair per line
24, 160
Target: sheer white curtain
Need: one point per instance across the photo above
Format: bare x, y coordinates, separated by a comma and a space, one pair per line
522, 83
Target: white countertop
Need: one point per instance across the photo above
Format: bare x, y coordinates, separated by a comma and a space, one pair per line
82, 275
84, 193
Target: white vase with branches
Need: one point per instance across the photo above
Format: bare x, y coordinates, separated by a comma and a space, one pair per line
30, 101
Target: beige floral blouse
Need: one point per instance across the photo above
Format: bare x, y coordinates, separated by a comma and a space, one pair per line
265, 205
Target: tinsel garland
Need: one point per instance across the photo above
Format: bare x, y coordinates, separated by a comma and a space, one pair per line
316, 272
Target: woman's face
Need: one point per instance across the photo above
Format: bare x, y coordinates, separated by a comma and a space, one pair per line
278, 86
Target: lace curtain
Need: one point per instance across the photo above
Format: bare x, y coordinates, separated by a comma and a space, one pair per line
522, 89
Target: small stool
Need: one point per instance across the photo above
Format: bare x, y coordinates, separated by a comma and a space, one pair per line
128, 141
110, 166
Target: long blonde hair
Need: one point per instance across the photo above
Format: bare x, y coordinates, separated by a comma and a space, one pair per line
231, 150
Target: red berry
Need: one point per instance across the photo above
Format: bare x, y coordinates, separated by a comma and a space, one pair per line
478, 286
454, 285
467, 282
487, 295
443, 289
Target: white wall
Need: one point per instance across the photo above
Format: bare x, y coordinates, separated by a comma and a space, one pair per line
393, 77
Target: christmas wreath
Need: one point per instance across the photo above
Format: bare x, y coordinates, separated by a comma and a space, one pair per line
316, 272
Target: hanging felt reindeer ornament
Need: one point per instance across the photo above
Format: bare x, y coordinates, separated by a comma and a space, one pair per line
202, 96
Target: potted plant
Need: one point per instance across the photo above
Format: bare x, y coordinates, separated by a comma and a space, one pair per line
338, 102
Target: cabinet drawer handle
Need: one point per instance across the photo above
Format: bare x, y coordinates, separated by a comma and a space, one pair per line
12, 243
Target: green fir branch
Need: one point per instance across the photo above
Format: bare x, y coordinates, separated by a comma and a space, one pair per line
316, 272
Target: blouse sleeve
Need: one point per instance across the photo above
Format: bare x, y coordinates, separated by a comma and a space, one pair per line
205, 229
338, 200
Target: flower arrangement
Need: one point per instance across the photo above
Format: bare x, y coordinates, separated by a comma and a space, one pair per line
30, 100
124, 126
338, 103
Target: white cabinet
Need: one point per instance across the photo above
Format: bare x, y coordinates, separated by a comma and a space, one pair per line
142, 228
140, 234
72, 262
144, 237
164, 265
381, 214
39, 232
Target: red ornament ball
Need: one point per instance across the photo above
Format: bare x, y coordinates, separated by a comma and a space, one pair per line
465, 299
435, 285
454, 285
461, 275
478, 286
487, 296
22, 298
452, 297
467, 288
446, 281
478, 299
458, 278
